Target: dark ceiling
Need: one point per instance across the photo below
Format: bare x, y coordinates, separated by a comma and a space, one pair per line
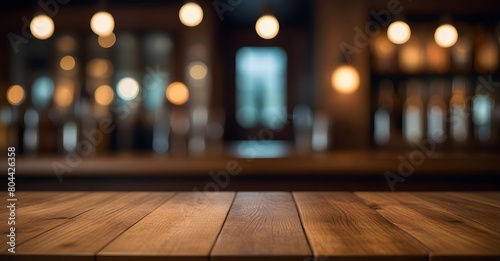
244, 12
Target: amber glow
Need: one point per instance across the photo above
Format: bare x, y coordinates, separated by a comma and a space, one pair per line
104, 95
345, 79
15, 95
107, 41
99, 68
67, 63
177, 93
64, 95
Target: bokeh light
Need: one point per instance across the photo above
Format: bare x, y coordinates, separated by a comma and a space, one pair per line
15, 95
177, 93
99, 68
102, 23
42, 27
399, 32
127, 88
267, 27
191, 14
345, 79
107, 41
198, 70
446, 35
66, 44
67, 63
104, 95
64, 95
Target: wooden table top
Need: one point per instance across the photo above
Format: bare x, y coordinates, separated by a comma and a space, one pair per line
107, 226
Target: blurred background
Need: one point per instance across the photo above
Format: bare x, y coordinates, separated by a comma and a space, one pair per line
330, 92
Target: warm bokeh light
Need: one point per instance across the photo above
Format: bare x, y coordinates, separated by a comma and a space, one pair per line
177, 93
446, 35
345, 79
104, 95
127, 88
191, 14
198, 70
486, 58
102, 23
15, 95
411, 56
67, 63
399, 32
99, 68
437, 59
383, 46
42, 27
64, 95
107, 41
267, 27
66, 44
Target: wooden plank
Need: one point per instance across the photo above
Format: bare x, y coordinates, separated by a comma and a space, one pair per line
486, 215
448, 236
83, 236
262, 226
47, 210
489, 198
28, 198
339, 226
183, 228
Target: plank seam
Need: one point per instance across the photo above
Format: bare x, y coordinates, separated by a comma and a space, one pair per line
303, 228
50, 229
210, 257
429, 250
117, 236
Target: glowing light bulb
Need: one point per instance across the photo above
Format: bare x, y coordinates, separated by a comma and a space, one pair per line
446, 35
104, 95
42, 27
198, 70
107, 41
67, 63
102, 23
127, 89
191, 14
177, 93
15, 95
345, 79
399, 32
267, 27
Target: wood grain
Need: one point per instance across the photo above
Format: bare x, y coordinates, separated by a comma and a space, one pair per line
81, 237
486, 215
489, 198
47, 210
183, 228
339, 226
448, 236
262, 226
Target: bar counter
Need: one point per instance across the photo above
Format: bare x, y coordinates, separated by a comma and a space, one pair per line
256, 226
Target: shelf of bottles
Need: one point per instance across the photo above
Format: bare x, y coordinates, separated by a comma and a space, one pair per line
423, 94
82, 95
